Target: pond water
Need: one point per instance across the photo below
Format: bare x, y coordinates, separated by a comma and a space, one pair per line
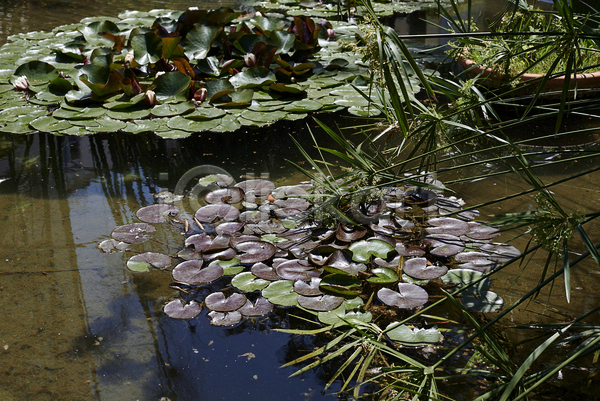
77, 325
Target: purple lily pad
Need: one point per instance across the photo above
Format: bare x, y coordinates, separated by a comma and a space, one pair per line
444, 244
469, 256
255, 251
229, 228
253, 216
191, 272
225, 254
293, 203
143, 261
260, 307
267, 227
290, 190
210, 213
500, 252
176, 309
295, 270
419, 269
350, 233
480, 265
405, 251
447, 225
133, 233
409, 296
158, 213
256, 188
218, 302
225, 195
320, 303
308, 289
481, 231
265, 272
225, 319
200, 242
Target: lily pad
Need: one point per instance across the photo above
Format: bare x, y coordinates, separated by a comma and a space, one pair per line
363, 250
281, 293
230, 267
225, 195
255, 251
248, 282
412, 337
320, 303
260, 307
447, 225
176, 309
218, 302
296, 270
383, 275
409, 296
342, 285
226, 319
141, 263
133, 233
464, 277
112, 245
265, 272
158, 213
191, 272
210, 213
421, 269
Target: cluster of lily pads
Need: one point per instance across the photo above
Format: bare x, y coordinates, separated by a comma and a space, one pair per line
175, 73
332, 8
262, 247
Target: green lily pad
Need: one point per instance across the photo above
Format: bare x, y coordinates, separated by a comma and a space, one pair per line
463, 277
172, 109
344, 315
303, 106
412, 337
199, 40
230, 267
383, 275
141, 263
188, 125
84, 113
172, 87
341, 284
281, 293
37, 71
147, 47
363, 250
206, 113
263, 116
253, 77
50, 124
248, 282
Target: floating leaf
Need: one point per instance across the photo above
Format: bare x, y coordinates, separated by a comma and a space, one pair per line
419, 268
464, 277
341, 284
412, 337
133, 233
296, 270
143, 261
225, 319
281, 293
320, 303
253, 77
191, 272
255, 251
112, 245
225, 195
248, 282
199, 40
383, 275
218, 302
210, 213
261, 307
230, 267
158, 213
265, 272
409, 296
176, 309
363, 250
36, 71
447, 225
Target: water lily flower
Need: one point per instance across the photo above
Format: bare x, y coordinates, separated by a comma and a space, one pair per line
330, 34
128, 59
250, 60
258, 14
22, 83
200, 95
150, 98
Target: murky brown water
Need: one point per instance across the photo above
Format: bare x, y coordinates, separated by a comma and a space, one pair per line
77, 325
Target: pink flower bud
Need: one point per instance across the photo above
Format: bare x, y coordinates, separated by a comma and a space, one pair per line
128, 59
330, 34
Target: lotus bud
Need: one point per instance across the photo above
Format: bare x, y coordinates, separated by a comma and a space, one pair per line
150, 98
128, 59
330, 34
258, 14
250, 60
158, 74
200, 95
21, 83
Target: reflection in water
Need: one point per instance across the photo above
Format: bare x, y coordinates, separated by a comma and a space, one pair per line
77, 324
